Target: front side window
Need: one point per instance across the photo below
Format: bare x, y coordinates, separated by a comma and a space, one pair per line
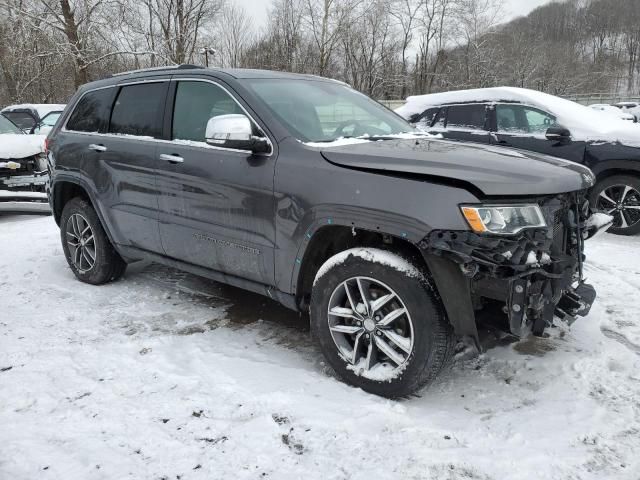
538, 121
6, 126
427, 117
92, 112
466, 117
520, 119
320, 111
196, 103
139, 110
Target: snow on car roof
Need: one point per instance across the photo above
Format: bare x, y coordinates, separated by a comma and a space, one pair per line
42, 108
583, 122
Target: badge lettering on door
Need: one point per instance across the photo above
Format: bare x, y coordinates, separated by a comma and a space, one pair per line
225, 243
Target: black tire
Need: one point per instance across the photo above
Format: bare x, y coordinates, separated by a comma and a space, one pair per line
108, 265
613, 186
433, 338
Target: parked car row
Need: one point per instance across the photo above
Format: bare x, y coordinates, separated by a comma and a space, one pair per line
614, 111
538, 122
632, 108
304, 190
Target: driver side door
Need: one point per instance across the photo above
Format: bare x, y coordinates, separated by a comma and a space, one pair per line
216, 204
525, 127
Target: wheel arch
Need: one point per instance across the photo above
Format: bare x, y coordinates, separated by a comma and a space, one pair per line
611, 169
329, 240
64, 190
451, 286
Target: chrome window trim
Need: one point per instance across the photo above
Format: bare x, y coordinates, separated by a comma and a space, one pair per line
162, 140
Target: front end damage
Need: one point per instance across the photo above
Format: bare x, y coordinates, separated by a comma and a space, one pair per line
534, 275
23, 183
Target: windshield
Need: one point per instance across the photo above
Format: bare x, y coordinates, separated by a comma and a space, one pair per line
318, 111
6, 126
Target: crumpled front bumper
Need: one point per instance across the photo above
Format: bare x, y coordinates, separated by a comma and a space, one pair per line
535, 275
21, 191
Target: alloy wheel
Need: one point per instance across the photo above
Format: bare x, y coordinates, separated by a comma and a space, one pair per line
370, 324
623, 203
82, 246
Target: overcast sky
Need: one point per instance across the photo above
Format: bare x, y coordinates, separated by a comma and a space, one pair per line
258, 8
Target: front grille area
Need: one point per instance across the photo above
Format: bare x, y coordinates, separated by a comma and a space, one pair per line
558, 232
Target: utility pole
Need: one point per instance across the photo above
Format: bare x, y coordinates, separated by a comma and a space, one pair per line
206, 51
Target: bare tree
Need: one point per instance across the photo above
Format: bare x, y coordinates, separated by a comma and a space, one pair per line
235, 33
180, 24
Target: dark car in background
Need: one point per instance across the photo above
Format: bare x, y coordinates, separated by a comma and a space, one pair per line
538, 122
304, 190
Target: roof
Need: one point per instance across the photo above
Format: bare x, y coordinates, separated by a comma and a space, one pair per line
238, 73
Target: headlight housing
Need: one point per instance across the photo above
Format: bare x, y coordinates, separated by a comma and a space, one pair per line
503, 219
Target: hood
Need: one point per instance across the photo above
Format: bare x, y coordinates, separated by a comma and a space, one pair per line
20, 146
492, 170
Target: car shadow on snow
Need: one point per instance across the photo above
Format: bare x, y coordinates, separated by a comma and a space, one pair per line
242, 308
286, 328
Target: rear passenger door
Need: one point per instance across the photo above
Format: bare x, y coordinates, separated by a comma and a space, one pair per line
128, 153
216, 204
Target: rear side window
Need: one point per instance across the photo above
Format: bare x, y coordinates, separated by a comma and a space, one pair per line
467, 117
92, 112
139, 110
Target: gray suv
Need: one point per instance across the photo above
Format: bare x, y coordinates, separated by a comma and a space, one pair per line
306, 191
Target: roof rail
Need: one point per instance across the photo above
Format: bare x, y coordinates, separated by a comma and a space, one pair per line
154, 69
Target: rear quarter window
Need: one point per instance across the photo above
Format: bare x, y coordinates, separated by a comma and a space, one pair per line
91, 113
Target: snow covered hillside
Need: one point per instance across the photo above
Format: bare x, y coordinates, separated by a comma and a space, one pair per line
165, 375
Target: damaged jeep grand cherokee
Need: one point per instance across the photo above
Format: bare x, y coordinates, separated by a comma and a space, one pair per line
304, 190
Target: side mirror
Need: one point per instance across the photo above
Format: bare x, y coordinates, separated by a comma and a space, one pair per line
234, 131
558, 134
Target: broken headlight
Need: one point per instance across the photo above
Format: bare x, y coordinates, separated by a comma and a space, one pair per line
503, 219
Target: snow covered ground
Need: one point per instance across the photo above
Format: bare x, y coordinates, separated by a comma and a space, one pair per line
165, 375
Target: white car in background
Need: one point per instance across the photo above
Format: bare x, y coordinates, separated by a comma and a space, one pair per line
23, 169
613, 111
28, 116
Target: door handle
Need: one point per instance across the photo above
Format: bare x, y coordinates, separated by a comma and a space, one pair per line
171, 158
97, 148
